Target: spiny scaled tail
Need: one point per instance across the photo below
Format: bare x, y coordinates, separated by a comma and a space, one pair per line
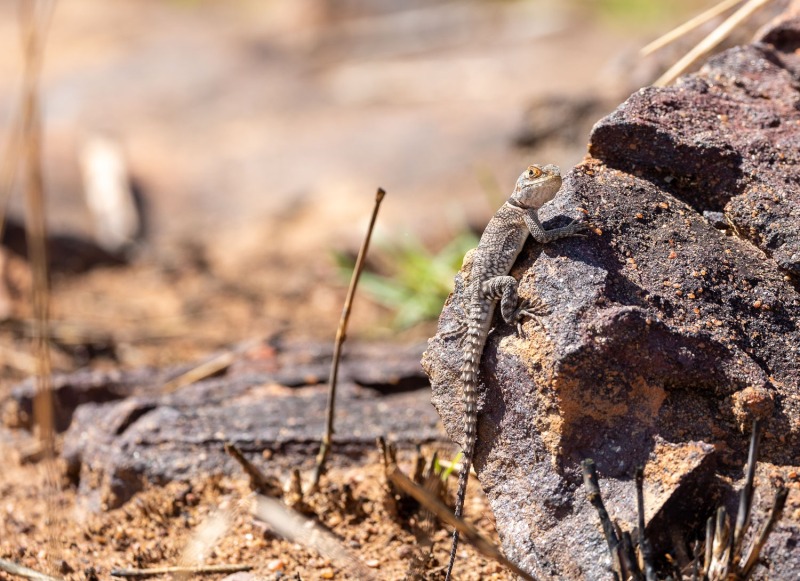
469, 379
463, 477
473, 351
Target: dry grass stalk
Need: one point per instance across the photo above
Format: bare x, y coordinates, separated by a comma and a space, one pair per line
688, 26
199, 570
259, 482
25, 572
709, 42
468, 531
722, 557
293, 526
341, 335
202, 371
34, 21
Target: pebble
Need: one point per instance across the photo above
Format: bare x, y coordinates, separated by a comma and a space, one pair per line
276, 565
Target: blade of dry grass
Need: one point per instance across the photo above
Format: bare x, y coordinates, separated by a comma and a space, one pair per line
644, 543
34, 21
25, 572
746, 495
199, 570
467, 531
341, 335
596, 499
291, 525
774, 516
30, 23
688, 26
709, 42
200, 372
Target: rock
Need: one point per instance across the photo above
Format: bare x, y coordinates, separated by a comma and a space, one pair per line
123, 431
75, 389
664, 334
292, 364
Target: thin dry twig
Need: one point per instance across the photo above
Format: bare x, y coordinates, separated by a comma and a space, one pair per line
746, 495
688, 26
202, 371
198, 570
644, 542
709, 546
468, 531
774, 516
596, 500
33, 41
709, 42
341, 335
259, 482
34, 21
25, 572
293, 526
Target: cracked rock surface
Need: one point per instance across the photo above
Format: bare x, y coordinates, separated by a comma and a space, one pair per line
124, 429
667, 334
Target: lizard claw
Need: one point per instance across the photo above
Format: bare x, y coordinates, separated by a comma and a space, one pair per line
530, 309
576, 228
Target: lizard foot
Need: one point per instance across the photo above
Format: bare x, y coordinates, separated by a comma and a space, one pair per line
529, 309
575, 228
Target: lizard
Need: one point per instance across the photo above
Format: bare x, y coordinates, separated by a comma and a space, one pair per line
488, 281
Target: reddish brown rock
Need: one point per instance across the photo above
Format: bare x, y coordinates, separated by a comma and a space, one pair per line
665, 332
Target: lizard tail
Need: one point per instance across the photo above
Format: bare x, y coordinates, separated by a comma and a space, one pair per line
473, 350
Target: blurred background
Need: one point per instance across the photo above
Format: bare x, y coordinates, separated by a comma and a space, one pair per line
244, 141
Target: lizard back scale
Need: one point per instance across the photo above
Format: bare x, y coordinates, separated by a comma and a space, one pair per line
488, 282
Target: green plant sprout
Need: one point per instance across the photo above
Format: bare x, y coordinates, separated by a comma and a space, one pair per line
445, 472
417, 281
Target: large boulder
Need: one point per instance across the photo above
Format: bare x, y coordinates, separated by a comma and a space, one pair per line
671, 327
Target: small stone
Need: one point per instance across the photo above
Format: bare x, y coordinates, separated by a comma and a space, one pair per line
373, 563
276, 565
326, 573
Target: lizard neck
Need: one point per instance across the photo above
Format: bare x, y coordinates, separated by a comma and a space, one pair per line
514, 203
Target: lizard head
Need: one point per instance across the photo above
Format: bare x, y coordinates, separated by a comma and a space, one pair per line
537, 184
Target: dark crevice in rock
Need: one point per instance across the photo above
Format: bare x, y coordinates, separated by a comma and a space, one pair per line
783, 35
134, 415
395, 385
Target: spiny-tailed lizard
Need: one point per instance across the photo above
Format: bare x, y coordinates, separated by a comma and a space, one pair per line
488, 282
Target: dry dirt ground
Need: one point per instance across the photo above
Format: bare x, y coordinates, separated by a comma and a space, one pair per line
208, 520
250, 160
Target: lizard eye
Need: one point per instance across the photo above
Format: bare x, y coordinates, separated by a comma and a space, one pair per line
534, 172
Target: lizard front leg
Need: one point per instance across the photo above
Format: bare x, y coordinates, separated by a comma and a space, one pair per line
543, 236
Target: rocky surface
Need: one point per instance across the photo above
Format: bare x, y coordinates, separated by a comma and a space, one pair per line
126, 429
666, 336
